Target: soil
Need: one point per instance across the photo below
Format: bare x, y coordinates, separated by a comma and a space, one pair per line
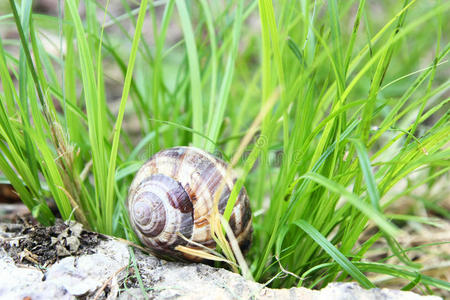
32, 244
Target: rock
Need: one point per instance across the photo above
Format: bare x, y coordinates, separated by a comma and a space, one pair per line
100, 272
86, 274
20, 282
350, 291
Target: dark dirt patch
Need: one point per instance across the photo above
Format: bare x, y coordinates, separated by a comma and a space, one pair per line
33, 244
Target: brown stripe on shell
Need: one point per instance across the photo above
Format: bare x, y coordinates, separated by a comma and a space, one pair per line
201, 222
191, 193
177, 196
180, 200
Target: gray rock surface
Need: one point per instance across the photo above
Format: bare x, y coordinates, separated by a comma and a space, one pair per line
105, 274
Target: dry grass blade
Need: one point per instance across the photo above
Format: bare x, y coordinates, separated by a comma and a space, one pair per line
203, 254
236, 250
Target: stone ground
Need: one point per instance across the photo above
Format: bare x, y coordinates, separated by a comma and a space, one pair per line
67, 262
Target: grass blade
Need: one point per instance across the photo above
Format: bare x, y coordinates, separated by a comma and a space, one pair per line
376, 216
109, 201
335, 254
194, 71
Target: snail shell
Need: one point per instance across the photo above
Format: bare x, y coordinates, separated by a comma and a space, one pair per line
173, 193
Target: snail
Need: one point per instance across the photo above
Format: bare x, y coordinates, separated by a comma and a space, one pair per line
172, 194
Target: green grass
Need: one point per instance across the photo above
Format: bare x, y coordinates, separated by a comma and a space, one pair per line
347, 100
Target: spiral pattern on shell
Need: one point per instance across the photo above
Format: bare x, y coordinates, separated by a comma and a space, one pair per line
173, 192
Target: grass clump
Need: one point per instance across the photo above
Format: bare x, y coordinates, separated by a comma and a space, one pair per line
345, 105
